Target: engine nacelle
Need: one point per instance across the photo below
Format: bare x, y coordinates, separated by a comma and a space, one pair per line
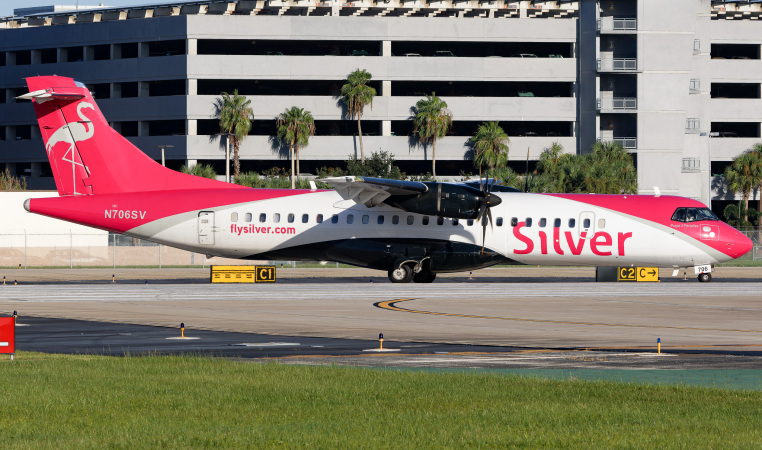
445, 200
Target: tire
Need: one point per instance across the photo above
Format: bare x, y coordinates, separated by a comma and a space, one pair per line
705, 277
403, 274
424, 277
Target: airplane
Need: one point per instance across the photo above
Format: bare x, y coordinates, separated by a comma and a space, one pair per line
412, 230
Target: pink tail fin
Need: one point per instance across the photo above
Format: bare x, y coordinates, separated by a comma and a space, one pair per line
86, 155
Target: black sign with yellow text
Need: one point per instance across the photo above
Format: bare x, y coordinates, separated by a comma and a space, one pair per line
265, 274
638, 274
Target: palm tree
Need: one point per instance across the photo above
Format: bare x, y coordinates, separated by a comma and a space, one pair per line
295, 126
550, 168
432, 121
757, 150
235, 114
356, 94
200, 170
491, 146
610, 170
743, 175
734, 215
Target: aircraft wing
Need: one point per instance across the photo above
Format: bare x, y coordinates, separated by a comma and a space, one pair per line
373, 191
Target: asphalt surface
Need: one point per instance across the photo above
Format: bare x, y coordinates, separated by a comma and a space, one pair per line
542, 319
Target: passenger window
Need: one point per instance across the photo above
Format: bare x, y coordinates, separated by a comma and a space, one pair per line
365, 219
572, 223
514, 221
425, 220
263, 217
381, 220
276, 217
586, 223
470, 222
557, 223
247, 217
440, 220
234, 217
542, 223
319, 218
350, 218
455, 222
601, 223
528, 222
291, 217
305, 218
500, 221
410, 220
395, 220
334, 219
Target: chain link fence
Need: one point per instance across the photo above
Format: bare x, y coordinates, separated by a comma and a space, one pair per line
97, 250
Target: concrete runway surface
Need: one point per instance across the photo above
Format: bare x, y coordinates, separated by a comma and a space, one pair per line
523, 313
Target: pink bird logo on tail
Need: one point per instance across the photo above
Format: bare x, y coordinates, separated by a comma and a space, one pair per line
71, 133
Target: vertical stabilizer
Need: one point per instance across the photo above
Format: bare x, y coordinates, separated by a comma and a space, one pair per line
86, 155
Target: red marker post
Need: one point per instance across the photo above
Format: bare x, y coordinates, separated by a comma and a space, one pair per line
7, 336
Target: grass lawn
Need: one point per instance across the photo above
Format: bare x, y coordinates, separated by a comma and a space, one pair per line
56, 401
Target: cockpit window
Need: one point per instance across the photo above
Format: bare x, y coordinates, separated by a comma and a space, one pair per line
693, 214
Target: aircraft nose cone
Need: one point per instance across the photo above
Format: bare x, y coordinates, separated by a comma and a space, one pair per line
738, 244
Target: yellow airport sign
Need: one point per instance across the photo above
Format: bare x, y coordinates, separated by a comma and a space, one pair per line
242, 274
638, 274
648, 274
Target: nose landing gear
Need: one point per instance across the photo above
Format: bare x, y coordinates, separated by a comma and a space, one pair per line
705, 277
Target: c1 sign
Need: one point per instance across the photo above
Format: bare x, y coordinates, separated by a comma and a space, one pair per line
7, 335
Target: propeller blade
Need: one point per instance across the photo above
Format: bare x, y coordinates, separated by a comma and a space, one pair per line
484, 234
482, 208
489, 219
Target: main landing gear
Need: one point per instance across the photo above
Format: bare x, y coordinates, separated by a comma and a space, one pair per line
411, 272
705, 277
402, 274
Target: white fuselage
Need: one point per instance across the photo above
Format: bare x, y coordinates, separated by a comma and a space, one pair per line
587, 235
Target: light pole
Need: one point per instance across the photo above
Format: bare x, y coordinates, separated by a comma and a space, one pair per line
162, 147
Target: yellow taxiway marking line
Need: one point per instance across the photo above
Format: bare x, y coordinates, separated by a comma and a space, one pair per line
391, 306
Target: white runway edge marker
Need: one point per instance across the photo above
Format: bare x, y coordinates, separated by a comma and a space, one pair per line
179, 338
381, 350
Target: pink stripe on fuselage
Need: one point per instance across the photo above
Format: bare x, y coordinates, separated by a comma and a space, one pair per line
109, 211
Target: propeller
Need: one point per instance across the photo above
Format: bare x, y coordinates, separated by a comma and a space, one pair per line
488, 200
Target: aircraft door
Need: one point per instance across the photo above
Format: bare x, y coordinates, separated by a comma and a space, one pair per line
206, 227
586, 224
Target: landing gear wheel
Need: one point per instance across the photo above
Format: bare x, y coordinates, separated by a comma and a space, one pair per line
403, 274
705, 277
424, 277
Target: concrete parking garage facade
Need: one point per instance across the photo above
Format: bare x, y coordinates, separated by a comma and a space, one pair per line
676, 83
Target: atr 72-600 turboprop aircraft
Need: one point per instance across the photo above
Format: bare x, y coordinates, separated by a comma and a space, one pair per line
412, 230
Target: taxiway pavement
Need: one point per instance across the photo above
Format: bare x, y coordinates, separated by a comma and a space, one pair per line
529, 312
